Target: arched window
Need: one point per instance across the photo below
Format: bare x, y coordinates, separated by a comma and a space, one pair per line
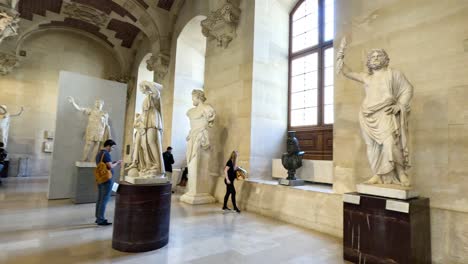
311, 76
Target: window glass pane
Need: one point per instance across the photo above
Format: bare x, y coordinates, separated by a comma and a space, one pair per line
310, 80
329, 114
304, 64
328, 97
310, 98
329, 19
329, 57
307, 7
328, 76
305, 26
304, 117
310, 116
297, 83
297, 100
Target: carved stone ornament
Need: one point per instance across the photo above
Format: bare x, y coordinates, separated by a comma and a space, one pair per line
120, 79
85, 13
222, 23
9, 19
158, 63
7, 63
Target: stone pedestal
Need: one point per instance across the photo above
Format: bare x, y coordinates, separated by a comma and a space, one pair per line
387, 190
198, 188
146, 180
85, 190
142, 217
296, 182
382, 230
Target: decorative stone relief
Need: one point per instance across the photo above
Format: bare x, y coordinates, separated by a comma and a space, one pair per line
221, 24
7, 63
158, 63
85, 13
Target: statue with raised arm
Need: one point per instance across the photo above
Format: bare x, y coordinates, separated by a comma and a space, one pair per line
5, 117
147, 148
97, 130
383, 116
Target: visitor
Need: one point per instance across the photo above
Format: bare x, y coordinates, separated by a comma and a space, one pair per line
168, 161
184, 177
105, 188
230, 176
3, 156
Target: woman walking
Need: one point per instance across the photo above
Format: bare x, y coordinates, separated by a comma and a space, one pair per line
230, 176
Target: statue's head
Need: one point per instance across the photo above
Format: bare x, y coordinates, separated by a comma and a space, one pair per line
99, 104
147, 87
198, 96
377, 59
292, 144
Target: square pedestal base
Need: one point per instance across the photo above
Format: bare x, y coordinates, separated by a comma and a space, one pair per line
387, 190
379, 230
287, 182
202, 198
146, 180
85, 190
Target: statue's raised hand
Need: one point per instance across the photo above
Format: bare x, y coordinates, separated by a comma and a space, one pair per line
70, 99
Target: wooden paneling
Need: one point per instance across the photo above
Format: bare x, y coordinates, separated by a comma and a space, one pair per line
27, 8
125, 31
318, 144
165, 4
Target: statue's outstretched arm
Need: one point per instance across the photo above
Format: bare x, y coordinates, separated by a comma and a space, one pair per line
71, 100
19, 113
342, 68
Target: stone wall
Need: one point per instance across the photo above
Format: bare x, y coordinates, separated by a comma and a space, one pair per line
426, 40
34, 85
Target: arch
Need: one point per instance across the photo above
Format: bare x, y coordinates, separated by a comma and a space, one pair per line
23, 38
189, 75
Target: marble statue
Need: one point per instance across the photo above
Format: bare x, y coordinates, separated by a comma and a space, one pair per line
8, 25
201, 117
5, 117
383, 116
199, 154
97, 131
147, 157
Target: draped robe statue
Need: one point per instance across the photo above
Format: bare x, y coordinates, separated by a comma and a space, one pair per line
147, 151
383, 117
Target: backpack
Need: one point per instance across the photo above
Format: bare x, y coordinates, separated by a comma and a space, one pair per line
102, 174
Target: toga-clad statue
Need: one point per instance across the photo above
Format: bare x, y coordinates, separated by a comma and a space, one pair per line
147, 149
5, 117
201, 117
383, 116
98, 129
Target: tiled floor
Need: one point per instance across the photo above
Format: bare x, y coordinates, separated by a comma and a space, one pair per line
35, 230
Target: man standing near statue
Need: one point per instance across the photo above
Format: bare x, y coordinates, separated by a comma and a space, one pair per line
383, 116
168, 161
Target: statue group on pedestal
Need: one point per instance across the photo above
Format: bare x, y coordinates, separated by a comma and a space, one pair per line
5, 118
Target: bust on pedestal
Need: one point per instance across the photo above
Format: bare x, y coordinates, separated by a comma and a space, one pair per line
292, 160
198, 154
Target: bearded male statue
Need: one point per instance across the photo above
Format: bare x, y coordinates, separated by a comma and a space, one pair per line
383, 116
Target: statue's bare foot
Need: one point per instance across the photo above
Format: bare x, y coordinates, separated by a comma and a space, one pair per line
132, 166
376, 179
404, 180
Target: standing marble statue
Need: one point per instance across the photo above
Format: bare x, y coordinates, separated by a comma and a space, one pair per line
383, 116
201, 117
147, 149
97, 131
5, 117
198, 153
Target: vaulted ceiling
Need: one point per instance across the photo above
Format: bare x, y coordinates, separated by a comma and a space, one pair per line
116, 23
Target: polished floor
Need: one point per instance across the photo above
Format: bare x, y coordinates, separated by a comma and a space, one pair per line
35, 230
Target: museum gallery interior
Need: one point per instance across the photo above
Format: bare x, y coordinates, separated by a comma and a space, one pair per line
234, 131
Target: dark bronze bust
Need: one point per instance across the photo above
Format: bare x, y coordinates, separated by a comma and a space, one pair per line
292, 160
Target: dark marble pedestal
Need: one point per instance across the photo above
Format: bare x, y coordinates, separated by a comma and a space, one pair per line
379, 230
142, 216
4, 172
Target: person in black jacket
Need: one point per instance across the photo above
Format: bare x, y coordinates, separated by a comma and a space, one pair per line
168, 161
3, 156
230, 176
